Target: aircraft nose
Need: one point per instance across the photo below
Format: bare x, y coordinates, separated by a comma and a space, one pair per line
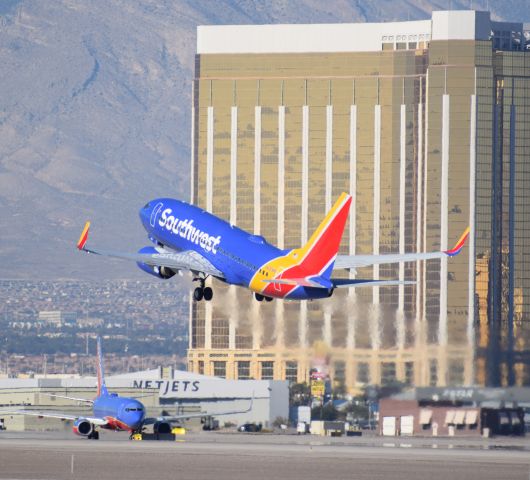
145, 212
135, 420
133, 415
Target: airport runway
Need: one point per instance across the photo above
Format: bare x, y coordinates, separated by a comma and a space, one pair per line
207, 456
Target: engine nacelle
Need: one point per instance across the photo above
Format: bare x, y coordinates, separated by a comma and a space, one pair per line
159, 272
83, 427
162, 427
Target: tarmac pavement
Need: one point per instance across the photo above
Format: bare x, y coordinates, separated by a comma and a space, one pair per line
234, 456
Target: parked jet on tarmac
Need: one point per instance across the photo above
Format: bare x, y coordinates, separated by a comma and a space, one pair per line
112, 412
187, 238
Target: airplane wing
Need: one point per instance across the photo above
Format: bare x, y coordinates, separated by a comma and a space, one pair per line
186, 260
175, 418
358, 261
68, 398
50, 414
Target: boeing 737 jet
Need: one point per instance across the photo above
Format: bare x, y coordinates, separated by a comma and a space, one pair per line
187, 238
112, 412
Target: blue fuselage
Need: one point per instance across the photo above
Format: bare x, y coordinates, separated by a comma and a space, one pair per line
122, 413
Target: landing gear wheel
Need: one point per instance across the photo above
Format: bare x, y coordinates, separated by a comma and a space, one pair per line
259, 297
93, 436
207, 294
198, 294
268, 299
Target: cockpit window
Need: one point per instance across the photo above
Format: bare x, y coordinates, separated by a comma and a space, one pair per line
147, 205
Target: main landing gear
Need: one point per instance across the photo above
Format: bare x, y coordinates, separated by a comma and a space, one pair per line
260, 298
94, 435
202, 292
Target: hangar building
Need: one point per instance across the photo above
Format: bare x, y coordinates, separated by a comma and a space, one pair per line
162, 391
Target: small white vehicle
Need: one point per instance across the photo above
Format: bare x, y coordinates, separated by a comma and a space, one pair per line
302, 428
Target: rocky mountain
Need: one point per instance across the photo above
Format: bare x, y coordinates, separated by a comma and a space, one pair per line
95, 113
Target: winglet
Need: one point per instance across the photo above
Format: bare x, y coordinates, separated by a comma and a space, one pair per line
84, 237
458, 247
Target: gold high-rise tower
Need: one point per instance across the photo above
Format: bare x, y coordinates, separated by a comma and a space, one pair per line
406, 117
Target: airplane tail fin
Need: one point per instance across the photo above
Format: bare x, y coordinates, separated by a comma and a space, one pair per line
102, 387
319, 253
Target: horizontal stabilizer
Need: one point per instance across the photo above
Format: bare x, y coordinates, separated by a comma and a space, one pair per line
310, 282
346, 283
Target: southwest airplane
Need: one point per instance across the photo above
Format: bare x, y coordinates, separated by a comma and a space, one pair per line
187, 238
112, 412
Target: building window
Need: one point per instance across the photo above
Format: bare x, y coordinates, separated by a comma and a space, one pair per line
388, 373
363, 373
220, 333
433, 372
201, 367
243, 342
243, 370
219, 369
425, 419
456, 372
340, 373
409, 373
267, 370
291, 371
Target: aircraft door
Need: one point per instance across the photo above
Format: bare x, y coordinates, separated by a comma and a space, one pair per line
278, 286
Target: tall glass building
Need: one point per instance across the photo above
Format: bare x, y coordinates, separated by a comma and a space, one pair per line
427, 125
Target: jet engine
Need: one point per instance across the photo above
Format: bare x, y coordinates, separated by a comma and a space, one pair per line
160, 272
83, 427
162, 427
